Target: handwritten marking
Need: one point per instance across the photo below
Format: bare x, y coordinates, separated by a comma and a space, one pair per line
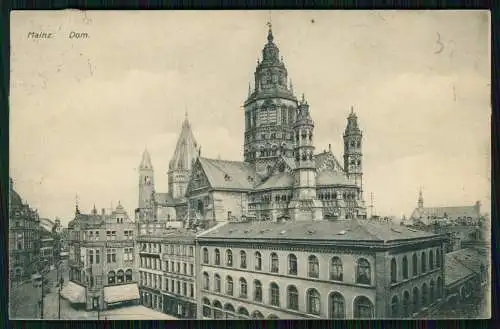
91, 69
440, 44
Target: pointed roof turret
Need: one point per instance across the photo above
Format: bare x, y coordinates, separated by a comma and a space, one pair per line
186, 149
352, 123
146, 160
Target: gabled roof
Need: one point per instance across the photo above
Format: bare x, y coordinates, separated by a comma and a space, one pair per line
454, 270
324, 157
278, 180
348, 230
228, 174
186, 149
448, 212
330, 177
471, 258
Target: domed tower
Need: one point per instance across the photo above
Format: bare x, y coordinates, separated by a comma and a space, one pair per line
304, 204
269, 111
179, 168
353, 138
146, 186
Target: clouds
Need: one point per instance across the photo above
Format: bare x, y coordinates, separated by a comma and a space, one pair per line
82, 112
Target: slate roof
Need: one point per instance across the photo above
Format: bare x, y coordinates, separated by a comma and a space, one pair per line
186, 149
329, 177
462, 263
279, 180
228, 174
348, 230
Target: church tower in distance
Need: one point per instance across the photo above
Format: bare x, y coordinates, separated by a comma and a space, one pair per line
146, 187
269, 112
304, 204
353, 138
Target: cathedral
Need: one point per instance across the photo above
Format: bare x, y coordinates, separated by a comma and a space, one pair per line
280, 178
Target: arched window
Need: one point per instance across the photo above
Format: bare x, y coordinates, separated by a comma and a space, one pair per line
229, 258
207, 309
218, 313
119, 276
217, 283
431, 260
229, 285
432, 292
313, 302
423, 262
313, 267
229, 310
206, 281
363, 272
394, 271
406, 304
217, 257
293, 298
416, 300
425, 295
394, 307
243, 259
243, 288
438, 258
274, 263
258, 261
336, 271
414, 264
292, 264
257, 291
257, 315
336, 306
405, 268
363, 308
275, 294
111, 277
243, 313
128, 275
439, 287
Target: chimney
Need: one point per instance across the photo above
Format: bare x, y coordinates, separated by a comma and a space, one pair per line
103, 211
329, 147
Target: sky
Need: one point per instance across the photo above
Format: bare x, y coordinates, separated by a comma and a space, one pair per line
82, 110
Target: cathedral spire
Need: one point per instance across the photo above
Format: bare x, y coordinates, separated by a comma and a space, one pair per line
185, 149
420, 199
146, 160
270, 36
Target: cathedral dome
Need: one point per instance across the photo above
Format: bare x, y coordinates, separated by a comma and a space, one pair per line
15, 199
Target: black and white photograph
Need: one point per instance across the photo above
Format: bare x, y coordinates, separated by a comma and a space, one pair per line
247, 165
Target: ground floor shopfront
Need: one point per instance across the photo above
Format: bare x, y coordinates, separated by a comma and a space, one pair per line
171, 305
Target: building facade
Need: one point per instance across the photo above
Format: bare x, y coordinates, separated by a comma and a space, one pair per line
24, 237
318, 269
102, 262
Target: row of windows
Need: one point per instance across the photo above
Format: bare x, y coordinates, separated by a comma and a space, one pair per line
363, 307
431, 263
171, 285
94, 255
420, 298
120, 276
180, 250
363, 268
172, 266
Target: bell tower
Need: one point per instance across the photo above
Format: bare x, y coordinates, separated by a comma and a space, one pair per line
146, 187
269, 111
353, 138
304, 204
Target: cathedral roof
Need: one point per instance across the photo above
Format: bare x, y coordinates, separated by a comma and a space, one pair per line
15, 199
228, 174
146, 160
279, 180
164, 198
347, 231
186, 150
330, 177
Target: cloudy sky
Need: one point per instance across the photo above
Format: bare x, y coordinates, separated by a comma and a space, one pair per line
83, 110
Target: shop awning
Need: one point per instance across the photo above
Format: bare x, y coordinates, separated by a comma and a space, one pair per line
74, 293
121, 293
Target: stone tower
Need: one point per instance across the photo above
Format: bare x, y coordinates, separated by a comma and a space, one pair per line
304, 204
179, 168
269, 111
146, 187
353, 138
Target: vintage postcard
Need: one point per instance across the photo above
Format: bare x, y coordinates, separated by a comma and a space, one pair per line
249, 165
